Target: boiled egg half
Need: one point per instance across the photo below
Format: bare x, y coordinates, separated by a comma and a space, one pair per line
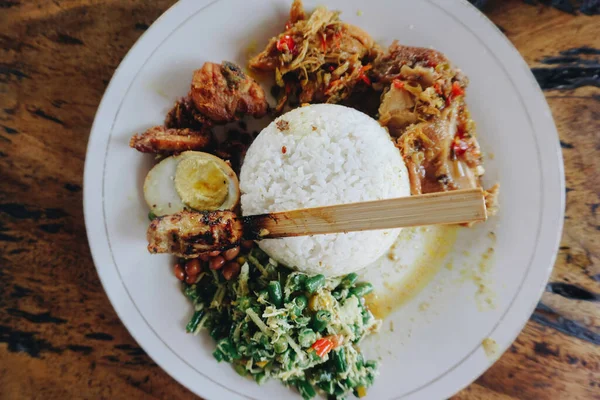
191, 180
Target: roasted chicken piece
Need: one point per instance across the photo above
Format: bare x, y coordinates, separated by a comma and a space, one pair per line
418, 69
397, 110
423, 106
223, 93
426, 150
319, 58
439, 149
161, 140
188, 234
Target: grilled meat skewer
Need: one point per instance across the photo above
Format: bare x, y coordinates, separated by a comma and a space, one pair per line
188, 234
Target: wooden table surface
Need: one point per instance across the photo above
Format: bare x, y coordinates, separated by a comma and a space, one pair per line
60, 337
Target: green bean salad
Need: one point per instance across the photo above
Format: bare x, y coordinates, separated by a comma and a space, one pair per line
272, 322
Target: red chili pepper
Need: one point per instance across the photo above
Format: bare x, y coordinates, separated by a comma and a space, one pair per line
331, 85
457, 90
323, 37
398, 84
322, 346
286, 43
437, 88
337, 38
362, 75
460, 147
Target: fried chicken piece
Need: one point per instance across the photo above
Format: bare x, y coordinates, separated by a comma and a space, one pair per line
423, 105
166, 141
223, 93
425, 148
397, 110
388, 66
184, 115
441, 153
188, 234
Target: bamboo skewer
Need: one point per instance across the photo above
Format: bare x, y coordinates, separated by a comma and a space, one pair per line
459, 206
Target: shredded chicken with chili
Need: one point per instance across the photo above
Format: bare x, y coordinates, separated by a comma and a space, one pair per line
318, 58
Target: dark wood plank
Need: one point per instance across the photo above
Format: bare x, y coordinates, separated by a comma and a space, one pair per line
59, 336
558, 355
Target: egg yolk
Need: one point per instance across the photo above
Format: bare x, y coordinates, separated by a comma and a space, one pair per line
201, 184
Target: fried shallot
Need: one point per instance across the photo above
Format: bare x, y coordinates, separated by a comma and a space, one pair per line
161, 140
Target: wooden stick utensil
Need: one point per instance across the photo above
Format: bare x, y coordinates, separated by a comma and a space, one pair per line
453, 207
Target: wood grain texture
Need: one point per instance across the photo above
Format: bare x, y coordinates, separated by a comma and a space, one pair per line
454, 207
60, 337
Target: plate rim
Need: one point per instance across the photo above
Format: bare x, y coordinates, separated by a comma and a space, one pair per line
162, 28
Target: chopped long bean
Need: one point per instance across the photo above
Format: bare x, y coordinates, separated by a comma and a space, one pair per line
275, 293
349, 280
339, 361
314, 283
320, 320
362, 289
265, 325
193, 324
299, 304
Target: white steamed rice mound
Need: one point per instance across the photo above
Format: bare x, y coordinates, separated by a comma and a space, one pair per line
333, 155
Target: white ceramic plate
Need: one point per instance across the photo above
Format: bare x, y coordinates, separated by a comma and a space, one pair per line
435, 347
